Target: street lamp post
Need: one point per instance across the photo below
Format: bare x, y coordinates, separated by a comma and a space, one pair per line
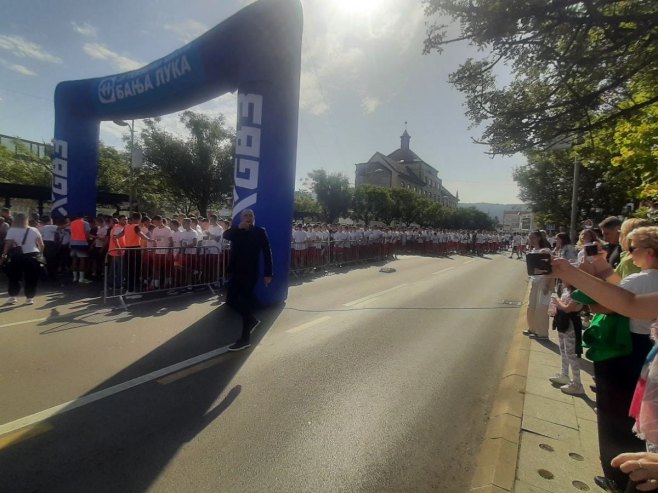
131, 126
566, 144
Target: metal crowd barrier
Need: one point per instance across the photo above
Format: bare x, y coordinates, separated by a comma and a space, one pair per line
136, 271
312, 255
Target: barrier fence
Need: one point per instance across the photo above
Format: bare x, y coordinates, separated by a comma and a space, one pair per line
135, 271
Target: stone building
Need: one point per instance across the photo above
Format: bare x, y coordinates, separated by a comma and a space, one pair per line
404, 169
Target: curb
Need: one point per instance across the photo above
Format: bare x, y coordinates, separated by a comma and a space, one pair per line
498, 455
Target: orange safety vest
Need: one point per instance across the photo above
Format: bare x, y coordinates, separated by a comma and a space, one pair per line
131, 239
112, 248
78, 230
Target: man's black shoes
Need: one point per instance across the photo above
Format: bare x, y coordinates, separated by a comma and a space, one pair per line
239, 345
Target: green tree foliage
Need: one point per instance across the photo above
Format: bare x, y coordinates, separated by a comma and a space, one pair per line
546, 183
631, 148
333, 192
576, 65
305, 204
405, 205
198, 170
371, 203
23, 167
430, 213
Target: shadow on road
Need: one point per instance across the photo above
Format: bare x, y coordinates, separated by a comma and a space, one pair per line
123, 442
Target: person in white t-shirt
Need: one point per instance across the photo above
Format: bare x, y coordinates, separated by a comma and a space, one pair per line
214, 241
300, 246
24, 264
189, 240
50, 235
163, 239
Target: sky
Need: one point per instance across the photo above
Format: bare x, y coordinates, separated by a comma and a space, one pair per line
363, 77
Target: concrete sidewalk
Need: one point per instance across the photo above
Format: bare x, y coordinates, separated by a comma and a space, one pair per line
538, 438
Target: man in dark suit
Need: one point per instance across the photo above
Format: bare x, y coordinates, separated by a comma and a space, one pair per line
248, 241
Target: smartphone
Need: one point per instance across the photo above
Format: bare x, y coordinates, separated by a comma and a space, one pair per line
591, 249
538, 263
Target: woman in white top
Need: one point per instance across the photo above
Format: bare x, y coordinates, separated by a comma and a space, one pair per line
24, 266
540, 292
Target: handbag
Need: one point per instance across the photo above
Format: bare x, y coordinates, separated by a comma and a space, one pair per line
16, 251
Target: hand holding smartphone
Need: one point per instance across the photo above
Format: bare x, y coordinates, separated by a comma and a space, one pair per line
538, 263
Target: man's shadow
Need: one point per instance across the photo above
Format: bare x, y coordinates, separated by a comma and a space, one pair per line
124, 441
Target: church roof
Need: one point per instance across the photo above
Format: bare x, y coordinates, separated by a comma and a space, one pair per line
404, 155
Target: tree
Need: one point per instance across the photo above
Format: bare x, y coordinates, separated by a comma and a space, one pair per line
631, 148
199, 169
405, 205
430, 213
546, 183
23, 167
305, 204
333, 192
576, 65
372, 203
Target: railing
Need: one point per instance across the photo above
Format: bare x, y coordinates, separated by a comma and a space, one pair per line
313, 255
136, 271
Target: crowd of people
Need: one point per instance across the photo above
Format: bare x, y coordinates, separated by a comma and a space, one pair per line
591, 298
145, 253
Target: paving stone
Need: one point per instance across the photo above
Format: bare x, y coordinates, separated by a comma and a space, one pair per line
544, 388
551, 430
550, 410
553, 465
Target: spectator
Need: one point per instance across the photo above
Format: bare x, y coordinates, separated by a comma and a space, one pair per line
23, 265
610, 227
540, 293
564, 248
50, 236
80, 236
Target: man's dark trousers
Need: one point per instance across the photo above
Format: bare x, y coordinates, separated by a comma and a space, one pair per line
240, 297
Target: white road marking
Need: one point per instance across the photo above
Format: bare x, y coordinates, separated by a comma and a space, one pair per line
102, 394
308, 325
470, 261
23, 322
372, 296
442, 270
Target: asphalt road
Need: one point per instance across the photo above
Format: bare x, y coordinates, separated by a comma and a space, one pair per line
363, 381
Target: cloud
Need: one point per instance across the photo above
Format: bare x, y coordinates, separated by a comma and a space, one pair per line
21, 69
370, 104
22, 48
85, 29
102, 52
346, 53
187, 30
311, 97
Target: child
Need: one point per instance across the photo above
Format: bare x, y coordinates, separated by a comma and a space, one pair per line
567, 322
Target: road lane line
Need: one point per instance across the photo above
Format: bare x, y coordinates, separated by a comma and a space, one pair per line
442, 270
190, 371
308, 325
471, 261
372, 296
102, 394
23, 322
24, 434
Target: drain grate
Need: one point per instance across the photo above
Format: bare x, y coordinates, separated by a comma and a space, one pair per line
576, 456
579, 485
546, 474
547, 447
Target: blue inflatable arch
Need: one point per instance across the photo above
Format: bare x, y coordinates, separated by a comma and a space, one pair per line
256, 52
